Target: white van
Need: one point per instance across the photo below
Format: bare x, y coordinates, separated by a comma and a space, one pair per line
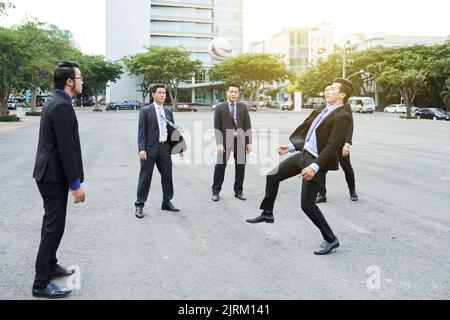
362, 104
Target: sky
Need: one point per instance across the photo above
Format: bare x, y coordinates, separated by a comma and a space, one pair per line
262, 18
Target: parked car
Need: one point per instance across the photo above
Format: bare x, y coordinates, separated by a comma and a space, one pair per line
88, 101
362, 104
128, 105
111, 107
399, 108
433, 113
186, 108
12, 104
287, 106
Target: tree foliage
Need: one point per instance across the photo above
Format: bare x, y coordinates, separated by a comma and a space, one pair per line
166, 65
251, 71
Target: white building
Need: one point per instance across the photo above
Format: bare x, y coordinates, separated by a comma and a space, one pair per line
301, 47
133, 25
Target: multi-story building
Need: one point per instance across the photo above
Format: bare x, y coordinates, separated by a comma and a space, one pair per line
301, 47
191, 24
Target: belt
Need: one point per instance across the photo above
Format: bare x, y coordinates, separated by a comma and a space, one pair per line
162, 143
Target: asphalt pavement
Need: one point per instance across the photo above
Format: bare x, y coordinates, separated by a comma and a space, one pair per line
394, 241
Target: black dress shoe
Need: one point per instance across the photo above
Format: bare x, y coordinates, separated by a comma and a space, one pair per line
240, 196
264, 217
353, 195
327, 247
216, 197
140, 212
61, 272
168, 206
51, 292
321, 198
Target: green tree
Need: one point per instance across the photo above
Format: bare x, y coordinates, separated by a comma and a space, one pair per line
46, 47
166, 65
316, 77
13, 55
405, 70
136, 66
251, 71
97, 72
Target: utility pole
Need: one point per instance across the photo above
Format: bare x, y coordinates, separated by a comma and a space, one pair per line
344, 64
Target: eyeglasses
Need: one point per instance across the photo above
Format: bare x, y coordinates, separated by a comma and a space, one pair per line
81, 78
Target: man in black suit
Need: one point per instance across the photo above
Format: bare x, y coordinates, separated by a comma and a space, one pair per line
58, 168
344, 161
156, 125
319, 140
233, 130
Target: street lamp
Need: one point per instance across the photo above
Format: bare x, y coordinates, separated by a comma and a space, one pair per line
359, 72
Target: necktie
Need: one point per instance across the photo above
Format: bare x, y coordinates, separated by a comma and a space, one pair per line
233, 111
316, 123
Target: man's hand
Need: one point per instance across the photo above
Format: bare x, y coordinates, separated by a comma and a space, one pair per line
143, 155
346, 150
308, 174
282, 150
78, 195
249, 148
220, 149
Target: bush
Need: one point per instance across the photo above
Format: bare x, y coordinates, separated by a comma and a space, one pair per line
9, 118
33, 114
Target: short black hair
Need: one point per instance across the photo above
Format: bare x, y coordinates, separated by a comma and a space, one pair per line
158, 86
346, 87
233, 85
64, 71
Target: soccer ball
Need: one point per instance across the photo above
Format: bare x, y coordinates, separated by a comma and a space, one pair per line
220, 49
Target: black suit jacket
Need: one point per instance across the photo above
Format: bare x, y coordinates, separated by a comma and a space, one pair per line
330, 134
223, 122
58, 157
148, 134
349, 137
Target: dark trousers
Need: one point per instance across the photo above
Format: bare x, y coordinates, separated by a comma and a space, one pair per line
163, 161
240, 158
55, 204
349, 175
292, 167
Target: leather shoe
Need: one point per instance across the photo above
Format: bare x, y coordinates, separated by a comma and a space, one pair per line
216, 197
61, 272
353, 195
327, 247
240, 196
321, 198
51, 292
168, 206
140, 212
264, 217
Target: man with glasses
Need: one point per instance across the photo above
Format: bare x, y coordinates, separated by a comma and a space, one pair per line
58, 169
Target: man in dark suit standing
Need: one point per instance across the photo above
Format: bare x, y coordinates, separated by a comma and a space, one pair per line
319, 140
58, 168
156, 125
344, 161
233, 130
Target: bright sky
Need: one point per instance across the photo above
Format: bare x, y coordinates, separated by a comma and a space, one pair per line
86, 18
